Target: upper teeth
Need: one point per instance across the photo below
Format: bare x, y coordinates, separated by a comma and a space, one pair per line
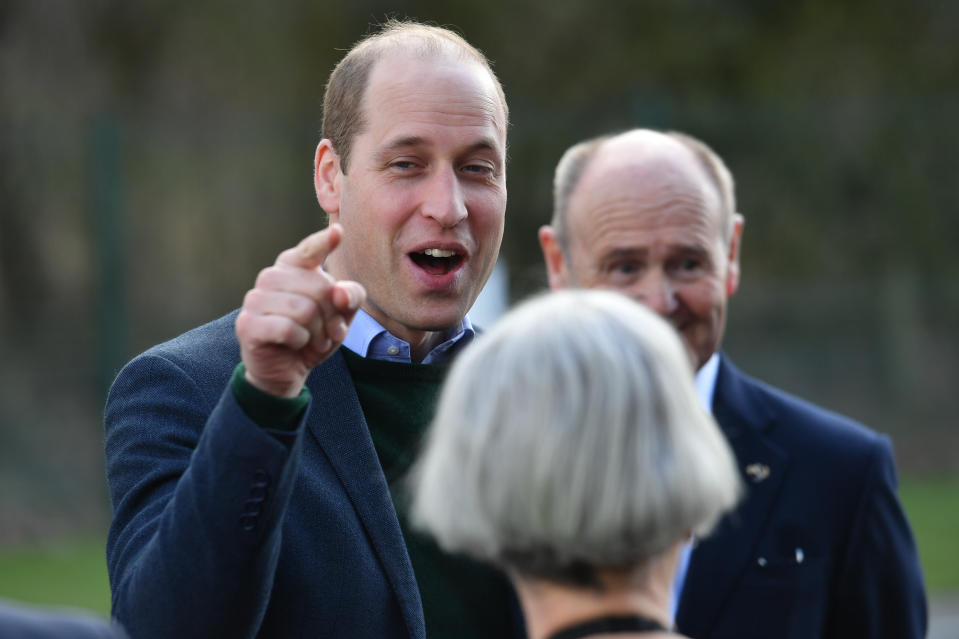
436, 252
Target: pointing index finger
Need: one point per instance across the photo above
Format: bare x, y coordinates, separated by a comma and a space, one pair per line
313, 249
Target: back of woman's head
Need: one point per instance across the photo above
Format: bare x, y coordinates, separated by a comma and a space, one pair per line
571, 436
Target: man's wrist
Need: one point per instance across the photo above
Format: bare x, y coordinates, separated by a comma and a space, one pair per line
267, 410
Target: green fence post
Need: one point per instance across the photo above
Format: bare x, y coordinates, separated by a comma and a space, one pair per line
106, 189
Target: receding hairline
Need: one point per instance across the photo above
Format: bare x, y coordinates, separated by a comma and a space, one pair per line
424, 41
569, 173
446, 54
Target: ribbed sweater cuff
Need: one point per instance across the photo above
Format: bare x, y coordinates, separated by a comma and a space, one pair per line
268, 411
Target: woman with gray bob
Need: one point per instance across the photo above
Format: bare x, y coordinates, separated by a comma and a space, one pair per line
570, 449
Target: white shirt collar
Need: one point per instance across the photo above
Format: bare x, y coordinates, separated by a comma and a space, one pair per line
705, 389
706, 381
369, 338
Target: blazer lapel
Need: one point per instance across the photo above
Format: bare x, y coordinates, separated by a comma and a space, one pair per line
337, 422
718, 561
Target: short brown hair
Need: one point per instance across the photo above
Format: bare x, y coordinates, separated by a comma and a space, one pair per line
343, 114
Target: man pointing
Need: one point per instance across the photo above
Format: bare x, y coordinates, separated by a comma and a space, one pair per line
253, 462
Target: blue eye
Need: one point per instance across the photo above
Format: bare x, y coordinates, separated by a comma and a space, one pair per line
689, 267
478, 169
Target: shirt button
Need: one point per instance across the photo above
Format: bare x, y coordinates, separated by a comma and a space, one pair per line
393, 350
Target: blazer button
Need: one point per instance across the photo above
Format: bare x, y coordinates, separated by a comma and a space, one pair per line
252, 507
259, 485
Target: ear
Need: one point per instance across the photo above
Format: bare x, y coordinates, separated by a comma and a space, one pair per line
556, 268
732, 256
327, 178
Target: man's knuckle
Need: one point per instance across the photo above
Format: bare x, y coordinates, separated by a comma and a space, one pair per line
265, 277
252, 299
299, 308
242, 322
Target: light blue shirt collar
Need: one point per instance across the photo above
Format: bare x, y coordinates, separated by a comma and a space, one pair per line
368, 338
705, 390
706, 382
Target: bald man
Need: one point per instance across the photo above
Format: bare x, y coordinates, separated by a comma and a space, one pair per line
820, 547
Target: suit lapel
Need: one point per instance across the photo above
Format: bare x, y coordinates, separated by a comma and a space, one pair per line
718, 561
337, 422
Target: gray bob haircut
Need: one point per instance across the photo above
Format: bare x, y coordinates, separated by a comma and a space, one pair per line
570, 438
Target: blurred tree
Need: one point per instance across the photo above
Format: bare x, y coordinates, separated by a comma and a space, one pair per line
835, 117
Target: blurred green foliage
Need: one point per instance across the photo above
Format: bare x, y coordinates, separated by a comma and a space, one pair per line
932, 506
835, 117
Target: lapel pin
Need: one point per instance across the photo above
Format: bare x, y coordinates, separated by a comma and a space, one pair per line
757, 472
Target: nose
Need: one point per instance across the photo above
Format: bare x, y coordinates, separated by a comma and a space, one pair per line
656, 292
443, 199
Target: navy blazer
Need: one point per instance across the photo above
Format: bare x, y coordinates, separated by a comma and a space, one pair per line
820, 546
224, 529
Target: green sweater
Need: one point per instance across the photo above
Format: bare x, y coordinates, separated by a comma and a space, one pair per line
461, 598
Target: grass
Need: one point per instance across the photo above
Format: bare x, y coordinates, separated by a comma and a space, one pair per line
73, 573
932, 506
68, 573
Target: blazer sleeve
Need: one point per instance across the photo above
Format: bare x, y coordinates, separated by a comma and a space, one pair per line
199, 493
880, 591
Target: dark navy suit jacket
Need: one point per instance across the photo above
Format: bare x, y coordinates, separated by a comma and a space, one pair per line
820, 546
224, 529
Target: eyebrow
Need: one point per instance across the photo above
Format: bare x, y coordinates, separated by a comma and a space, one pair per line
620, 253
692, 249
642, 252
484, 144
411, 141
401, 143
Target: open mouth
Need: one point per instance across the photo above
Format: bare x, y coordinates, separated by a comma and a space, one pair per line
437, 261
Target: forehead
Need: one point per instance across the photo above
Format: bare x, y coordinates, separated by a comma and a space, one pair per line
432, 96
634, 188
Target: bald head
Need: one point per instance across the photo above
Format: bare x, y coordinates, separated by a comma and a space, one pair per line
642, 154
